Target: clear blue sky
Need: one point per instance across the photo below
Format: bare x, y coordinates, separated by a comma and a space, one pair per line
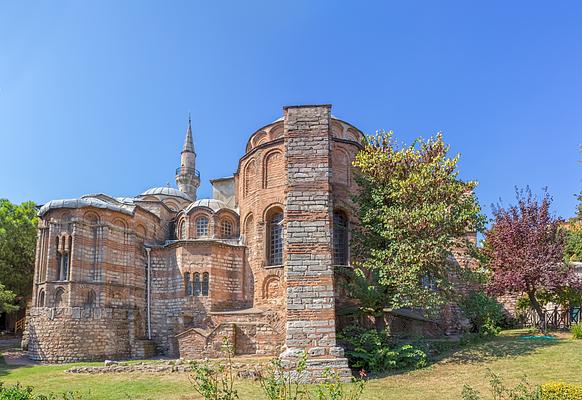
94, 96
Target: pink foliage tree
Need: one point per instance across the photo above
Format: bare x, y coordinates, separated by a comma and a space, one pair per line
525, 247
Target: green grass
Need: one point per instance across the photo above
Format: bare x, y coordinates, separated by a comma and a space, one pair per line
507, 355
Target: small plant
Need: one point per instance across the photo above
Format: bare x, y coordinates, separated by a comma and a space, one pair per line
561, 391
215, 382
19, 392
333, 388
576, 330
522, 391
281, 383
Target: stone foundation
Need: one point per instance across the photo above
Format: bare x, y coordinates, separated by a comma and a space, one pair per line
60, 335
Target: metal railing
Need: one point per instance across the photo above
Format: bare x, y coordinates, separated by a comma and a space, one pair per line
187, 170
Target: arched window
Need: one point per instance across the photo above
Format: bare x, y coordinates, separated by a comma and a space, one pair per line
205, 283
340, 238
202, 227
183, 230
187, 284
225, 229
40, 300
197, 284
91, 299
275, 239
59, 297
64, 244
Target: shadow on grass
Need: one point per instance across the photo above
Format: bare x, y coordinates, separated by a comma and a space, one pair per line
481, 350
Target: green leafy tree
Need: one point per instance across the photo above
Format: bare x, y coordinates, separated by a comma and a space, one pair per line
413, 211
18, 224
573, 231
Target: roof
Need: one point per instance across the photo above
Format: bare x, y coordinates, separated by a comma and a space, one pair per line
88, 201
166, 191
213, 204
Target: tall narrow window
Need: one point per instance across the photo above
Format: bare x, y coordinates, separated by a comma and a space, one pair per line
205, 283
40, 301
59, 297
183, 230
340, 238
197, 284
91, 299
187, 284
225, 229
202, 227
275, 244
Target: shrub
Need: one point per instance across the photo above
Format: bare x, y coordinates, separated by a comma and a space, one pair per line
561, 391
373, 351
280, 383
522, 391
18, 392
576, 330
484, 312
283, 383
215, 382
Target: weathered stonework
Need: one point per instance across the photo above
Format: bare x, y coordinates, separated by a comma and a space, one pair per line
165, 273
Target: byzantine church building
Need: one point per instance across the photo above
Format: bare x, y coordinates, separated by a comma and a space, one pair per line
167, 273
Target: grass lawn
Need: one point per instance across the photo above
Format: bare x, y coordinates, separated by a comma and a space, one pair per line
541, 361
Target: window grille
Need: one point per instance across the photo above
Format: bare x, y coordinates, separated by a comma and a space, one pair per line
275, 245
226, 229
340, 238
197, 284
205, 283
202, 227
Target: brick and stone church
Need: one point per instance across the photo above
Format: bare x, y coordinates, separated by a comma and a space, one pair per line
165, 272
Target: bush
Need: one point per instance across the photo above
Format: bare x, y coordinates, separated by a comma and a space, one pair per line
523, 391
18, 392
561, 391
576, 330
484, 312
376, 352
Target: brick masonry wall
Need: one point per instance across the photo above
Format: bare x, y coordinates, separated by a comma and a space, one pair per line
309, 271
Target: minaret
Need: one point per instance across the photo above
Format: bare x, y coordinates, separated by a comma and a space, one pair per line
187, 178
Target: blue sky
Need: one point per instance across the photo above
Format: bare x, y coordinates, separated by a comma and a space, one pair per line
94, 96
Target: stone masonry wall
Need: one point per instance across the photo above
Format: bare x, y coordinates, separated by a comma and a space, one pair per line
309, 271
76, 334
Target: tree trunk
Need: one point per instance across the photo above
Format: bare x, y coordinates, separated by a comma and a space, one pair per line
538, 308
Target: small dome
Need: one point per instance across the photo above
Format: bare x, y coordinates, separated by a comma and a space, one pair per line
166, 191
213, 204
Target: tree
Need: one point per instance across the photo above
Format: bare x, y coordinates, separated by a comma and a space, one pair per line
18, 224
573, 230
413, 211
525, 247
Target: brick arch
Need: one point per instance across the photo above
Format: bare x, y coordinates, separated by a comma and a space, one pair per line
119, 223
249, 177
272, 287
260, 138
276, 132
141, 230
92, 217
273, 169
342, 167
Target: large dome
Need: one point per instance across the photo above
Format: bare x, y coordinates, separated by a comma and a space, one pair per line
213, 204
166, 191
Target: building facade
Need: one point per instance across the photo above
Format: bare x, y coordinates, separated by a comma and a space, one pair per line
164, 272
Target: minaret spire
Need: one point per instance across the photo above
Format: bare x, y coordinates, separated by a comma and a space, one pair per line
187, 177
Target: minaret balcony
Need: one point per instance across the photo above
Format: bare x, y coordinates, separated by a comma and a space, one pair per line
187, 171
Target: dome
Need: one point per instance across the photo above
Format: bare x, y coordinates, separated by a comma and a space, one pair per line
213, 204
166, 191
